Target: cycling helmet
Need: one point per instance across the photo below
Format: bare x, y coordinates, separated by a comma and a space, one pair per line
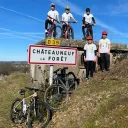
52, 5
67, 8
87, 9
104, 33
89, 38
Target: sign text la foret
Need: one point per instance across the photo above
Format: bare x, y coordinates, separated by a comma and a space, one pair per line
39, 54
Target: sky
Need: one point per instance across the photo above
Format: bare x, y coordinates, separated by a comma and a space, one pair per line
22, 22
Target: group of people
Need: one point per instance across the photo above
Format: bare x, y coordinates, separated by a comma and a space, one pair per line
90, 55
90, 49
88, 18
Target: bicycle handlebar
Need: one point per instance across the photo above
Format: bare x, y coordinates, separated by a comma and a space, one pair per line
68, 22
65, 68
53, 19
89, 23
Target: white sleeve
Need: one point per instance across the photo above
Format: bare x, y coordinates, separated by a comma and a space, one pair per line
71, 15
91, 15
99, 42
57, 14
84, 15
109, 42
48, 13
85, 47
95, 47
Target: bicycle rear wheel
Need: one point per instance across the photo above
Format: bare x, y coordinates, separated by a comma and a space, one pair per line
56, 96
70, 33
42, 116
72, 81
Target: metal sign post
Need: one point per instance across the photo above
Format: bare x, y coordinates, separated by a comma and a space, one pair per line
51, 75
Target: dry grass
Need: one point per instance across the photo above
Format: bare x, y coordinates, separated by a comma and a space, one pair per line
102, 103
9, 90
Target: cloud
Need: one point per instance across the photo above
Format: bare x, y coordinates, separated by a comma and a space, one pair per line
12, 35
121, 8
77, 10
22, 33
10, 10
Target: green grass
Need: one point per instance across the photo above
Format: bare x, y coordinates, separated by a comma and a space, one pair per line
9, 90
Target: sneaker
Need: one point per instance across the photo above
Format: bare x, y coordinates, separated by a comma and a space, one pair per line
86, 79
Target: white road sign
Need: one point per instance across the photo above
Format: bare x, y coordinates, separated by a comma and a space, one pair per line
40, 54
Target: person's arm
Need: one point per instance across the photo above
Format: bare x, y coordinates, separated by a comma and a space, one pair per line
73, 18
109, 47
93, 19
99, 48
57, 16
95, 52
84, 55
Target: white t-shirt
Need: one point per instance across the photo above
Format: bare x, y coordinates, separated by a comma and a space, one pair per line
103, 43
90, 51
54, 14
67, 17
88, 18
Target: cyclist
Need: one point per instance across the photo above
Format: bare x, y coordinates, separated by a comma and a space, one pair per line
104, 51
67, 16
53, 14
87, 22
89, 57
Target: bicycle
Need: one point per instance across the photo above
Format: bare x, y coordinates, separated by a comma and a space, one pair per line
50, 31
69, 32
35, 111
87, 32
57, 94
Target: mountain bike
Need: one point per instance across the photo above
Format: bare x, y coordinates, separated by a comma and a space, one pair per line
50, 31
87, 32
30, 112
58, 93
68, 33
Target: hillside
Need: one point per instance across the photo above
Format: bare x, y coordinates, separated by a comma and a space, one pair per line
102, 103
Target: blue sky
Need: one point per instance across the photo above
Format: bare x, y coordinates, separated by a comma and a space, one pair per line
22, 22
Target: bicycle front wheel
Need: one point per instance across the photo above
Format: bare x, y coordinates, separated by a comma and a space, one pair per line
40, 116
56, 96
70, 33
16, 113
57, 34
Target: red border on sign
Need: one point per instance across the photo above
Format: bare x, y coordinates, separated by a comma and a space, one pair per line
29, 54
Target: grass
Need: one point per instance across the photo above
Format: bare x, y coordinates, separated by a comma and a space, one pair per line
9, 90
102, 103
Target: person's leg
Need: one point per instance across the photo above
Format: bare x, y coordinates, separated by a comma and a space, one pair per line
102, 61
46, 24
91, 30
91, 70
83, 31
87, 69
107, 61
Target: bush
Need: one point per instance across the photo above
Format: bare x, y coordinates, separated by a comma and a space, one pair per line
7, 68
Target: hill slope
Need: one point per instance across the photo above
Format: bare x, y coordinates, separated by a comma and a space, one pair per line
102, 103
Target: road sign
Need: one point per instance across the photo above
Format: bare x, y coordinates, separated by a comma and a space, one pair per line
52, 42
52, 55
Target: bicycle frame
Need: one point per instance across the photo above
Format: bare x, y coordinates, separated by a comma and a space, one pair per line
33, 96
51, 28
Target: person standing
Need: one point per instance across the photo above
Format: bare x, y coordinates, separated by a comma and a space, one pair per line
104, 51
89, 57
